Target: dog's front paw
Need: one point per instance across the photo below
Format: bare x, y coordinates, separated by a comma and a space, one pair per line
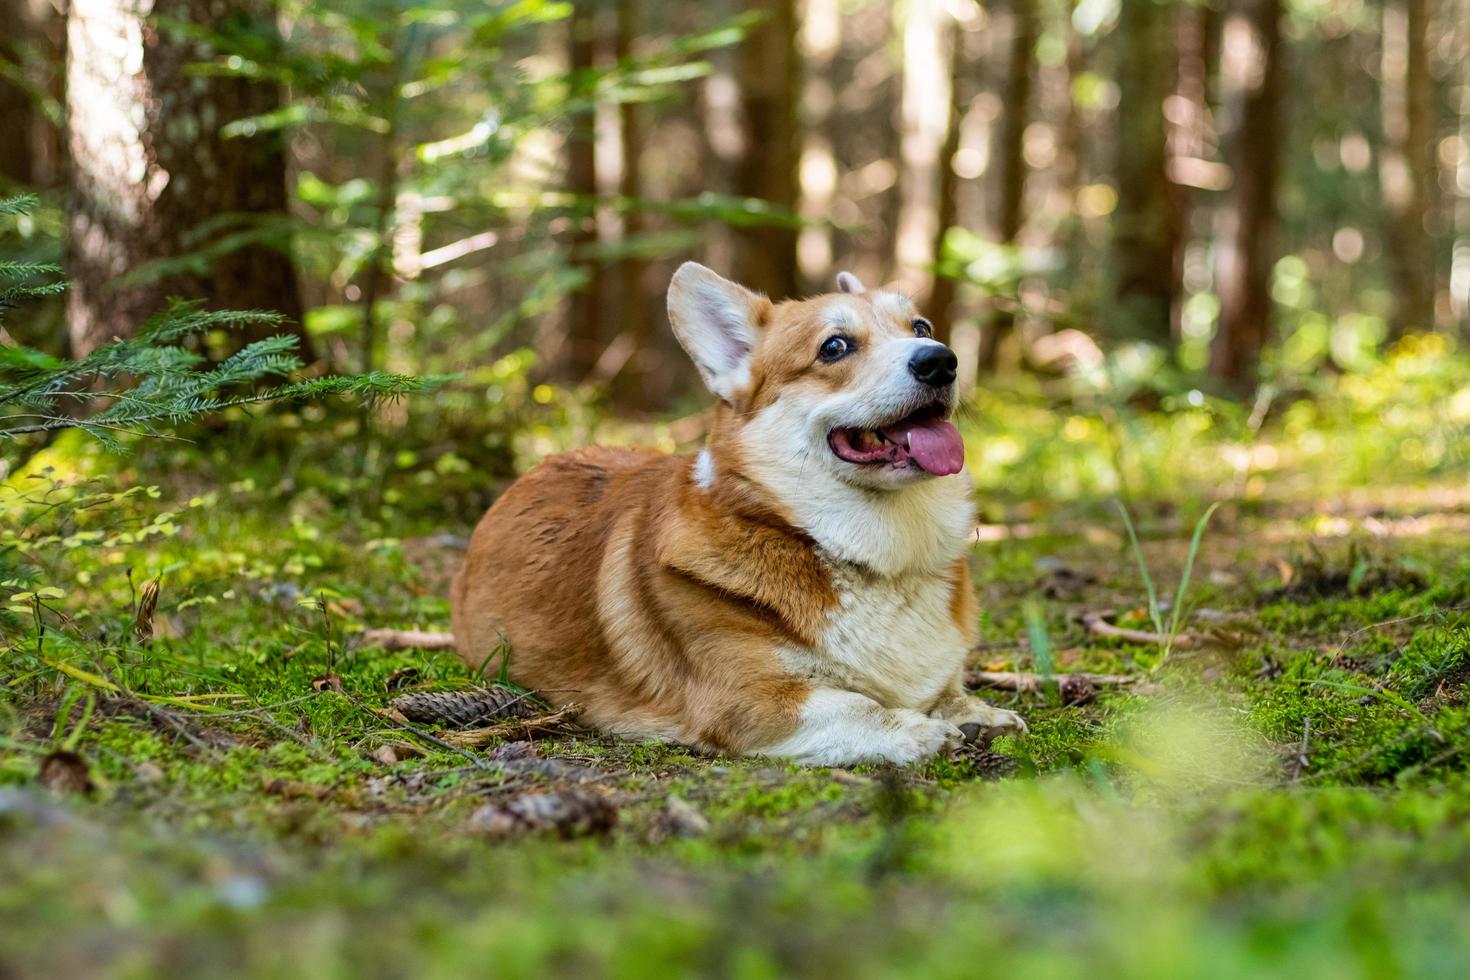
919, 736
978, 719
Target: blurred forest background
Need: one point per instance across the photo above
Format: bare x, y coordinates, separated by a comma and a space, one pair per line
1208, 195
1206, 265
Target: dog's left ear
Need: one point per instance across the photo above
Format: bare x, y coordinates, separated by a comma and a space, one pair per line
715, 321
849, 283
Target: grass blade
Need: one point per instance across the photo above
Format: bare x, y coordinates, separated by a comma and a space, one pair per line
1148, 582
1177, 614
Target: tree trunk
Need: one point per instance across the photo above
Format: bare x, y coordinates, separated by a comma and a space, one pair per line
584, 313
1460, 252
1009, 157
31, 39
923, 114
821, 40
16, 106
1146, 227
940, 307
630, 387
1251, 79
1407, 170
771, 79
149, 168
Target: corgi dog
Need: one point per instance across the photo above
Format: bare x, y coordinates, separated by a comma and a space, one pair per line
798, 588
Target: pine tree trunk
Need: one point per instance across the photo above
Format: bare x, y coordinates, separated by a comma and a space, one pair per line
584, 335
941, 305
15, 102
1252, 79
923, 115
1460, 252
1010, 160
770, 76
149, 168
30, 153
1146, 225
1407, 170
631, 386
821, 39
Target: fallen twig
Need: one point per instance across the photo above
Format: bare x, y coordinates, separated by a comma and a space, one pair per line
405, 639
1025, 682
1097, 624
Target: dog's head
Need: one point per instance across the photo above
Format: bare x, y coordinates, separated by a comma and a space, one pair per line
849, 385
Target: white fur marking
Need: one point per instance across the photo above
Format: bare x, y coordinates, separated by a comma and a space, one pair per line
704, 470
912, 522
891, 639
840, 728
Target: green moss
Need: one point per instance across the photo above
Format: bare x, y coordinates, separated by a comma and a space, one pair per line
1290, 802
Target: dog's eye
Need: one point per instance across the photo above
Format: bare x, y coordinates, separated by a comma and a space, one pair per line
835, 348
923, 328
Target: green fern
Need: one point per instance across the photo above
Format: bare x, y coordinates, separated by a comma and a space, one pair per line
150, 382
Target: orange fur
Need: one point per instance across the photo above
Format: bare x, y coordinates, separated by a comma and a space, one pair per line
666, 599
620, 586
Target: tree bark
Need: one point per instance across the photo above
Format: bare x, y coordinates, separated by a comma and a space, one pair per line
630, 387
1252, 79
149, 168
770, 76
1146, 226
31, 39
1407, 170
1460, 251
940, 307
923, 114
1010, 160
584, 340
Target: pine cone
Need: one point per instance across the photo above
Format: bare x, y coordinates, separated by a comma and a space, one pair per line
570, 813
465, 709
1076, 690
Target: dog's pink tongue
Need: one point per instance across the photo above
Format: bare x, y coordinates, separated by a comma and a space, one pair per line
935, 445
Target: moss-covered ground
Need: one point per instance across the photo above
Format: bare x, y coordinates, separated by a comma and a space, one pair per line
1286, 792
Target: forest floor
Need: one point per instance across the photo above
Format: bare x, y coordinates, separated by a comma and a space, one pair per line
1285, 792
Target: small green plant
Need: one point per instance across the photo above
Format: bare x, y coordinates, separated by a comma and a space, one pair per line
152, 381
1041, 649
1168, 633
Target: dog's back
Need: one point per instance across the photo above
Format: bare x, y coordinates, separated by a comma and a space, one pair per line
531, 570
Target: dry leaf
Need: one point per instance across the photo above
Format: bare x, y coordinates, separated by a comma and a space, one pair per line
147, 603
325, 682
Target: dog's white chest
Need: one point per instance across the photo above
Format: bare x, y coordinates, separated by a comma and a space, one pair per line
892, 639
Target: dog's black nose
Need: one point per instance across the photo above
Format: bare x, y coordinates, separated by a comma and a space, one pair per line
934, 365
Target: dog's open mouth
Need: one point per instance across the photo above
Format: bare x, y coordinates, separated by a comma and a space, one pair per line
926, 439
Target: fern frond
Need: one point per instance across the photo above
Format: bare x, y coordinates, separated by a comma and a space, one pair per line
150, 381
19, 204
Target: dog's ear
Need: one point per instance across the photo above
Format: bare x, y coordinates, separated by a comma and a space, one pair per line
716, 322
849, 283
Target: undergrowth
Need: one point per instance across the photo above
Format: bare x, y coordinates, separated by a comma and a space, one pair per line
205, 784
